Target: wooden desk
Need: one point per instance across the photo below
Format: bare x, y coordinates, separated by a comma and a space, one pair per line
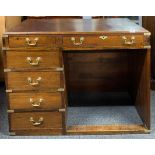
42, 57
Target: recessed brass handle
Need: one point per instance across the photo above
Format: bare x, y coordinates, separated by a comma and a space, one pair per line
126, 41
77, 43
103, 37
36, 103
37, 123
30, 42
33, 63
32, 82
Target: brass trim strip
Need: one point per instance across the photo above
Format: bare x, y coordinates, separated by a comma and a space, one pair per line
4, 48
10, 111
147, 131
5, 35
147, 34
59, 69
62, 110
9, 91
12, 134
147, 47
60, 89
7, 70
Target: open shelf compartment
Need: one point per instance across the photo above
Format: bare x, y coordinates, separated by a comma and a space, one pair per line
108, 91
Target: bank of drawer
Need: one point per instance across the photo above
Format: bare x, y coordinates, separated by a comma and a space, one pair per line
32, 60
31, 41
35, 101
116, 41
33, 80
35, 120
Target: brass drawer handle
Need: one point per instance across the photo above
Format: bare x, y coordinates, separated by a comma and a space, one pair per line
30, 42
103, 37
33, 63
77, 43
36, 103
37, 123
128, 42
32, 82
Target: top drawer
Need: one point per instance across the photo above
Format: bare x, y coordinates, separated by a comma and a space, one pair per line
31, 41
107, 41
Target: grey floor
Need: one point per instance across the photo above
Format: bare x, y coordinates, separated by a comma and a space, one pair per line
103, 115
94, 116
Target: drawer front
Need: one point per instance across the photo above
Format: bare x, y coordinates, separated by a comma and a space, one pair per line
33, 80
33, 101
35, 120
126, 41
32, 60
31, 41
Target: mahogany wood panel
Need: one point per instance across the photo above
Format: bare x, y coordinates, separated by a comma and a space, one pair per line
21, 101
21, 121
140, 83
149, 23
18, 81
47, 59
97, 70
77, 26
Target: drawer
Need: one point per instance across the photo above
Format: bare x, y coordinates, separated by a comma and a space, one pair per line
33, 80
35, 120
33, 101
31, 41
107, 41
32, 60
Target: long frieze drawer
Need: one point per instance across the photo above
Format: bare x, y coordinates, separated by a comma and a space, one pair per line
32, 60
109, 41
33, 80
35, 101
35, 120
31, 41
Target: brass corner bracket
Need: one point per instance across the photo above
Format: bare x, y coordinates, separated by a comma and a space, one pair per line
12, 134
9, 91
5, 35
147, 34
7, 70
61, 89
59, 69
147, 47
62, 110
10, 111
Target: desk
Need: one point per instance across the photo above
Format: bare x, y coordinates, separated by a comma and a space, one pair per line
42, 57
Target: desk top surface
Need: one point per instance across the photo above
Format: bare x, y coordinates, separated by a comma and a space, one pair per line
76, 26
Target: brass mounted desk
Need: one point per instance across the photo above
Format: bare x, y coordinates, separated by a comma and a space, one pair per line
39, 71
